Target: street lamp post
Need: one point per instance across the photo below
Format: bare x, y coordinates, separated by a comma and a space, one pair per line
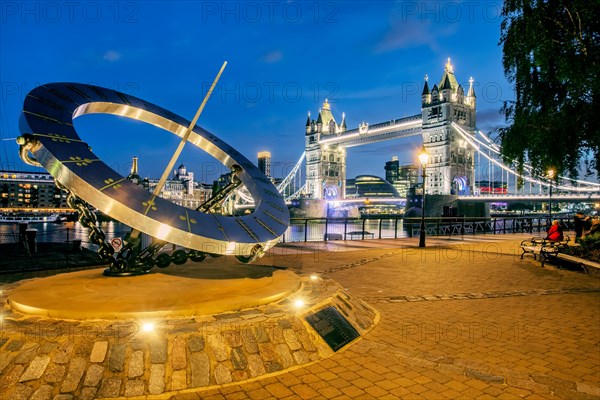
551, 176
423, 158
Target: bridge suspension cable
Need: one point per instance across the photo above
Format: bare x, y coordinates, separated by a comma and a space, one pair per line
297, 193
483, 145
497, 149
494, 148
283, 187
288, 179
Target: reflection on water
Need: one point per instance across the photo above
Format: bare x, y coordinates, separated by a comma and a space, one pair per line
58, 233
339, 230
297, 232
301, 230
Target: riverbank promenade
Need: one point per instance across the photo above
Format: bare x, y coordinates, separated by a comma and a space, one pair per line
463, 318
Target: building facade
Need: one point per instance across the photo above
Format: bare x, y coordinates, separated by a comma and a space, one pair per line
451, 165
134, 175
370, 187
325, 165
264, 163
401, 177
30, 190
37, 190
392, 170
181, 188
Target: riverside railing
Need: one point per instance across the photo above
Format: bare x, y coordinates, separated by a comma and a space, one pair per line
325, 229
76, 234
18, 258
55, 234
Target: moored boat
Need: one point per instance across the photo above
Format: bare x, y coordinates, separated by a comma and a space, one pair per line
29, 218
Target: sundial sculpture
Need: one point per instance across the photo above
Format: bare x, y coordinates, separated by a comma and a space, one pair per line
50, 140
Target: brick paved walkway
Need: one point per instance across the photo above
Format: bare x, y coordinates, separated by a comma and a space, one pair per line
459, 320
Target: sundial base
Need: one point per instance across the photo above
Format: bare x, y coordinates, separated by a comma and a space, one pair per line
183, 291
286, 321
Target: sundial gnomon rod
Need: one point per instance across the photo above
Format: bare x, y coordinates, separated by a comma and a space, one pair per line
163, 179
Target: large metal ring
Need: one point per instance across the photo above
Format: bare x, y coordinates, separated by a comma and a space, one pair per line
48, 114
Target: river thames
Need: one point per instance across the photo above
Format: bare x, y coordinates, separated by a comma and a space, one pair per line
299, 230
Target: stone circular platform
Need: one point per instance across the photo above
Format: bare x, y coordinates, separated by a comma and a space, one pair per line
302, 319
178, 292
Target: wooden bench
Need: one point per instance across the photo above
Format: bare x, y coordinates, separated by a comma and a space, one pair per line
361, 234
541, 246
532, 246
333, 236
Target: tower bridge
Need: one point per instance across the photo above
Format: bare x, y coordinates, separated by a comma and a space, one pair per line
452, 167
365, 134
461, 157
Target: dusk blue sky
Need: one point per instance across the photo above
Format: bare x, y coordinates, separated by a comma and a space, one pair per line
284, 58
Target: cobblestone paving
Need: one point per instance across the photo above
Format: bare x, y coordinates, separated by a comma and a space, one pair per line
44, 357
459, 320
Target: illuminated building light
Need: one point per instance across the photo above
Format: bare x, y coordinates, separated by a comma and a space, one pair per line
299, 303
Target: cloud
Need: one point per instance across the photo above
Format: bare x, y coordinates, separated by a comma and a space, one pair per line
112, 56
395, 146
490, 115
272, 57
413, 33
375, 93
490, 119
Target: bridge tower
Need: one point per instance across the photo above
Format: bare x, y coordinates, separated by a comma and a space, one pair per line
325, 164
451, 168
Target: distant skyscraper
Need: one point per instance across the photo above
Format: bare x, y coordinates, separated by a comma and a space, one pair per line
401, 177
134, 176
392, 169
264, 163
409, 173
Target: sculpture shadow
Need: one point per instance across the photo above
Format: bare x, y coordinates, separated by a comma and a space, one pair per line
218, 271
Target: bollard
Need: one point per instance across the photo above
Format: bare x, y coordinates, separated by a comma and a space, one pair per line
31, 239
22, 236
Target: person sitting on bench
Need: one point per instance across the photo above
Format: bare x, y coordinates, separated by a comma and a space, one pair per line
555, 233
